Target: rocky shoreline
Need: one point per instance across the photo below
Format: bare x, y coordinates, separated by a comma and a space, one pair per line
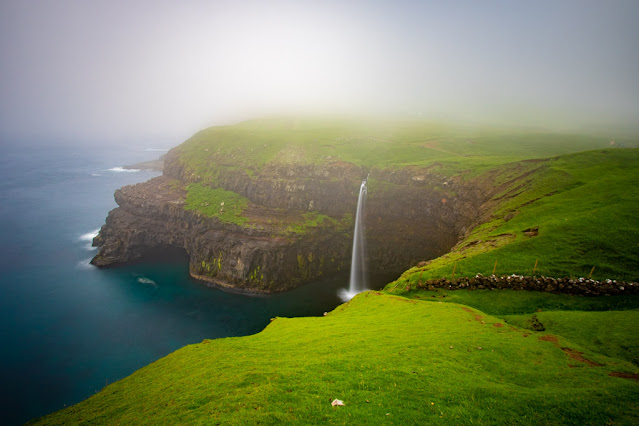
576, 286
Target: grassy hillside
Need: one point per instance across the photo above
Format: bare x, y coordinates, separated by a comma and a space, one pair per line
607, 324
603, 332
564, 214
386, 143
389, 359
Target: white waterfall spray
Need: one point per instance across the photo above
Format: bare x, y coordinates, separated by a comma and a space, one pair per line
358, 282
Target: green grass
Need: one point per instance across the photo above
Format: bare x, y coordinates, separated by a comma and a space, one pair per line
584, 206
614, 334
224, 205
390, 359
608, 324
248, 146
312, 220
512, 302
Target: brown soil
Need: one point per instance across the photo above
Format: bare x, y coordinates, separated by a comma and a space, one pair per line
402, 299
477, 316
498, 325
630, 376
573, 354
550, 338
578, 356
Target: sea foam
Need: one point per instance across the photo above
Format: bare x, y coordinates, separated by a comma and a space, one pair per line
88, 238
85, 264
145, 280
122, 169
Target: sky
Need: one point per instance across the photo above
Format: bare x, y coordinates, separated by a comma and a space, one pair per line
113, 70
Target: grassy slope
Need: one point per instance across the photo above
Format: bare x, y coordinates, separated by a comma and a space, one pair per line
614, 334
384, 143
227, 206
389, 359
608, 325
584, 206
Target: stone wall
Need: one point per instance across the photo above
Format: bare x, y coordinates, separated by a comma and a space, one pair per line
579, 286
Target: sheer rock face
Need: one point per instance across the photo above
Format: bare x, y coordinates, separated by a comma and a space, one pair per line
151, 218
411, 214
327, 188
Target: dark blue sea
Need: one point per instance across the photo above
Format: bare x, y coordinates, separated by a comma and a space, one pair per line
67, 329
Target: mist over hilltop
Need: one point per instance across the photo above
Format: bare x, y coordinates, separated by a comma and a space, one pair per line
117, 70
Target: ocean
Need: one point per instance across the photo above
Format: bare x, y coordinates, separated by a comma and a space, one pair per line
67, 328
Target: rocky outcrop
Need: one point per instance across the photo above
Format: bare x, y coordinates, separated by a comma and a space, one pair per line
412, 214
151, 218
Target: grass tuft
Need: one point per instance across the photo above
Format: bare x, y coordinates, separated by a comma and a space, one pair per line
227, 206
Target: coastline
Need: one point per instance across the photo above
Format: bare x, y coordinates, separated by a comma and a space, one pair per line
156, 165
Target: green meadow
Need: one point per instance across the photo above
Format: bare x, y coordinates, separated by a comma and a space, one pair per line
390, 360
251, 145
227, 206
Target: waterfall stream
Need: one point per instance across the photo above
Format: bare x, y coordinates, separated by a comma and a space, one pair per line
358, 282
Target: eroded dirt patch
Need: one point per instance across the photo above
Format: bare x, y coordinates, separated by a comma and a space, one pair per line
498, 325
571, 353
578, 356
550, 338
631, 376
477, 316
401, 299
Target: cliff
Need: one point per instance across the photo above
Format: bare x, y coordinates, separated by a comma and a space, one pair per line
264, 256
265, 253
275, 249
265, 206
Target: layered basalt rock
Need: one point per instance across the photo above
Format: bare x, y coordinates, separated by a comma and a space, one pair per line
326, 188
151, 217
412, 214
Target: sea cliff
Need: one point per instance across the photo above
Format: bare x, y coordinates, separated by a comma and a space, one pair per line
267, 205
297, 223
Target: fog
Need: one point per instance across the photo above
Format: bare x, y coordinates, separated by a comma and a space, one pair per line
114, 70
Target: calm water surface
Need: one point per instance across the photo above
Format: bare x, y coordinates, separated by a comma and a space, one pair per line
68, 329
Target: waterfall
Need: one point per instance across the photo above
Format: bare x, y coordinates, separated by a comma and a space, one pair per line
357, 281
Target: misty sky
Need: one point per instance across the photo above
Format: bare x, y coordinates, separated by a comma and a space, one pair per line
164, 69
